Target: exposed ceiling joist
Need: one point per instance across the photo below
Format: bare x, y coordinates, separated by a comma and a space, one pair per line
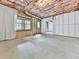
43, 8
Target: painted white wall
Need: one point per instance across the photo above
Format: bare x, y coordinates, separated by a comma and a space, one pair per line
65, 24
7, 23
44, 28
50, 26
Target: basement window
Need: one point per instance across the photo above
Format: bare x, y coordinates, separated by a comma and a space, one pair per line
19, 24
38, 24
23, 24
27, 25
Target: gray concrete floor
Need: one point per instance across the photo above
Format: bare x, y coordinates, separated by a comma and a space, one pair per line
41, 47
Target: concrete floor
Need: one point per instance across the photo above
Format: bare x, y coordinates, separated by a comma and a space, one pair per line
40, 47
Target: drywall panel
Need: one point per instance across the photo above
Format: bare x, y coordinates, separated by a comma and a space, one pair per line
62, 29
71, 17
57, 20
54, 21
65, 19
54, 28
66, 31
77, 17
61, 19
44, 26
76, 30
67, 24
61, 24
50, 26
57, 29
2, 36
13, 24
54, 25
7, 22
71, 30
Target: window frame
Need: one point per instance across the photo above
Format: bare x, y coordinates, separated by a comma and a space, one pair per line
17, 23
29, 24
23, 24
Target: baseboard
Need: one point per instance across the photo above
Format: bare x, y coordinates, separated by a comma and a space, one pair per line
67, 36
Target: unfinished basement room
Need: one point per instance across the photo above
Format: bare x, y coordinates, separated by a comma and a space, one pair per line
39, 29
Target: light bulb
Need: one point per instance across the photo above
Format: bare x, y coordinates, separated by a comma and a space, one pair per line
41, 4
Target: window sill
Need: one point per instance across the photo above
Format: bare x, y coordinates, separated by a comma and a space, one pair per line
23, 30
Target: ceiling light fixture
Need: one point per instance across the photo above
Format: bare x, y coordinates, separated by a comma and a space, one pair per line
40, 4
25, 2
